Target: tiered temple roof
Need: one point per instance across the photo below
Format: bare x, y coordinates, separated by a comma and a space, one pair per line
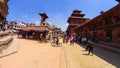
76, 15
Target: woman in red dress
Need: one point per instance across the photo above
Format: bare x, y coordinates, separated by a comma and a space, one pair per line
67, 39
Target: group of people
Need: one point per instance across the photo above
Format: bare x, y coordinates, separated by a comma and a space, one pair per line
54, 39
65, 39
85, 41
72, 40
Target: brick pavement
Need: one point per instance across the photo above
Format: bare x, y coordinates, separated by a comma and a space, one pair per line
32, 54
109, 46
76, 57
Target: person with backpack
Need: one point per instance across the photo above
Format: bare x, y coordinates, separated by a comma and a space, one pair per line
90, 46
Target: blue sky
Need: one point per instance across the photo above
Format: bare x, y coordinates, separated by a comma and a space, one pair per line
58, 11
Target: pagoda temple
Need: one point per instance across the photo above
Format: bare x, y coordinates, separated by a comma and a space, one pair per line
104, 27
75, 20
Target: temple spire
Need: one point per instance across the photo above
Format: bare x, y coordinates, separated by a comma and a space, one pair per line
43, 18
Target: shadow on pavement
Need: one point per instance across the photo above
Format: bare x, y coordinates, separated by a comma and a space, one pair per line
105, 54
1, 52
56, 46
85, 54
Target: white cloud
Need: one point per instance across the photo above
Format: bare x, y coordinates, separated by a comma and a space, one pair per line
37, 23
66, 25
63, 27
59, 20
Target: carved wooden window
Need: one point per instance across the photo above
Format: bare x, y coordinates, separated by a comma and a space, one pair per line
95, 25
100, 23
90, 26
113, 19
117, 19
80, 21
108, 20
101, 35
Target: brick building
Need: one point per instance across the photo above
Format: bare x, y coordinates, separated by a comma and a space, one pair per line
105, 27
45, 28
75, 20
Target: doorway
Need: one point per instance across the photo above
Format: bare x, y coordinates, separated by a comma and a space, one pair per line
109, 36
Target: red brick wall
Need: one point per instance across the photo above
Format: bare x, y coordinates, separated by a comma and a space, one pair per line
77, 21
101, 35
115, 35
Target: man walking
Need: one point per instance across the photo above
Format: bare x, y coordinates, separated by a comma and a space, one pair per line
90, 46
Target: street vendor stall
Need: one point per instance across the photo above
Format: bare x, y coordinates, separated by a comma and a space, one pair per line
33, 32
